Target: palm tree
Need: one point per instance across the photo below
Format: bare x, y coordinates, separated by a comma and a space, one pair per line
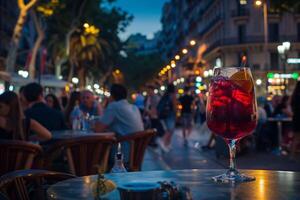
88, 56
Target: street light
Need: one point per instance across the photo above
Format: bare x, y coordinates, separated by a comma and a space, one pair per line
184, 51
258, 3
75, 80
282, 50
265, 10
192, 42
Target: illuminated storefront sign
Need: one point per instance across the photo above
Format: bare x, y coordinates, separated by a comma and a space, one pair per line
294, 75
293, 60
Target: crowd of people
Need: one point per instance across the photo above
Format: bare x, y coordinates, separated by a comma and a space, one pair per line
31, 115
166, 111
280, 107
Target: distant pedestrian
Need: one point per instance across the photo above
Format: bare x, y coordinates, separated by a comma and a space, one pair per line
200, 112
38, 110
52, 102
150, 112
295, 104
187, 103
271, 106
166, 109
283, 109
140, 102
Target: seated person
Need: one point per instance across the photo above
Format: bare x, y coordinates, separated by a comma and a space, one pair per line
89, 104
120, 117
14, 125
38, 110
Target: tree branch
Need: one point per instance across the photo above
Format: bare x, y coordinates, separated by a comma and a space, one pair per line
21, 4
30, 4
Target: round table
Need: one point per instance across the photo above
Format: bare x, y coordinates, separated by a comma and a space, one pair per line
279, 121
271, 185
67, 134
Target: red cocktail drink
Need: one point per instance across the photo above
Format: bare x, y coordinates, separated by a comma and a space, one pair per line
231, 110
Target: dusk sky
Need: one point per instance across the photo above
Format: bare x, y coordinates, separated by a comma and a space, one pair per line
147, 14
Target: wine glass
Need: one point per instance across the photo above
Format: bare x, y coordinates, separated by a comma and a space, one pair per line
232, 112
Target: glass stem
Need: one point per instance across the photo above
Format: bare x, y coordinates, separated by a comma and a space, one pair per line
232, 151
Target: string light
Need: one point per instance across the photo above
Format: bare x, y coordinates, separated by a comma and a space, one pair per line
192, 42
184, 51
177, 57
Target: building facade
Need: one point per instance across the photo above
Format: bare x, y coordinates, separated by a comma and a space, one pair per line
228, 30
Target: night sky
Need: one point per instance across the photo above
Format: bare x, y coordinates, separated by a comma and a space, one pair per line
147, 14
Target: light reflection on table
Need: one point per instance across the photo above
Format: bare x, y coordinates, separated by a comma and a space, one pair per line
268, 185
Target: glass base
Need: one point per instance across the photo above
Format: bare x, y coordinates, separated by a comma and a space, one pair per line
232, 175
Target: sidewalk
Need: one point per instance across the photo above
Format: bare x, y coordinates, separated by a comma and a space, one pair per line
192, 157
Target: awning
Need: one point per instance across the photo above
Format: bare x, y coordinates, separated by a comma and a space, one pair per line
46, 81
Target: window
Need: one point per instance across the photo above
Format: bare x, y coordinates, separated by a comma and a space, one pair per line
242, 33
274, 60
298, 32
274, 32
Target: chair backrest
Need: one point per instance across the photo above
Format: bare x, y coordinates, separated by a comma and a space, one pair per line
15, 155
84, 153
29, 184
138, 143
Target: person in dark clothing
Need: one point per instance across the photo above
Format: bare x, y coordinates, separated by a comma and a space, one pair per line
38, 110
283, 109
53, 102
271, 106
295, 104
14, 125
187, 102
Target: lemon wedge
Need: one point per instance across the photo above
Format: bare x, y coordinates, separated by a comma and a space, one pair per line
109, 186
243, 79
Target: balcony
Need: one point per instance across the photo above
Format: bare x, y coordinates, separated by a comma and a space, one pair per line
211, 24
248, 40
240, 14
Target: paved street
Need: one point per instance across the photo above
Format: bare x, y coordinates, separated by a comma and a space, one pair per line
192, 157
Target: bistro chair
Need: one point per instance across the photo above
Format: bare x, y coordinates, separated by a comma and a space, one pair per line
84, 154
29, 184
16, 155
138, 143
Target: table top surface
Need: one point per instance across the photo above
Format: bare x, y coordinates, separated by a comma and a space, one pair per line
67, 134
268, 184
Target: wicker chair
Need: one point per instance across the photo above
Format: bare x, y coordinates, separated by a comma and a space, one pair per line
84, 154
15, 155
29, 184
138, 143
